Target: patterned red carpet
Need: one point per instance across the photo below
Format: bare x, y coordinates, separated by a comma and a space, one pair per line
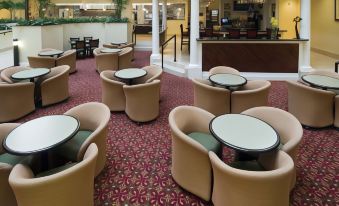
139, 156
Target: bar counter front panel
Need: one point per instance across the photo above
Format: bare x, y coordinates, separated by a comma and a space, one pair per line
277, 56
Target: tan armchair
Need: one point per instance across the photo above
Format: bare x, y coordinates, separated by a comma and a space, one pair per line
223, 69
153, 72
112, 91
41, 62
191, 142
93, 129
287, 126
54, 86
212, 99
256, 188
125, 58
142, 101
106, 61
312, 107
68, 58
336, 116
73, 185
253, 94
16, 100
6, 74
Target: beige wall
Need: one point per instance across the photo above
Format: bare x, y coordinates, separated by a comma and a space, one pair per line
288, 10
325, 30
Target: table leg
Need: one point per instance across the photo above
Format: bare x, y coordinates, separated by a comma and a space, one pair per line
241, 156
44, 161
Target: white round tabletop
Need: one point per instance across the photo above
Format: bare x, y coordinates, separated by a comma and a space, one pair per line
228, 80
131, 73
30, 73
321, 81
41, 134
244, 133
51, 52
108, 50
118, 43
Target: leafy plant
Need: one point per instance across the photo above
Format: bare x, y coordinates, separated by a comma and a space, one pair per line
120, 5
56, 21
43, 6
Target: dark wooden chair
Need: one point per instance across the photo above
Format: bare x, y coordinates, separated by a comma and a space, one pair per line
73, 40
233, 33
252, 33
185, 37
93, 44
336, 65
80, 47
87, 39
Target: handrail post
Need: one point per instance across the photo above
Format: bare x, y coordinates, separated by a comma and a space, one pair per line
162, 56
175, 48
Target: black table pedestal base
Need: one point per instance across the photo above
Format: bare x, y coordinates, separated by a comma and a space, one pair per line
241, 156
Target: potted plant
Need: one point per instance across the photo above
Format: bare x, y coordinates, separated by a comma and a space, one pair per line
274, 27
119, 7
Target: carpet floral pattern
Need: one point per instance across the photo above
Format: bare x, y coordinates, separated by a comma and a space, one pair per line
139, 156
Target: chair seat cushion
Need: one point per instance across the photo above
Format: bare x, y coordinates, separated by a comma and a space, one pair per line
11, 159
70, 149
206, 140
56, 170
247, 165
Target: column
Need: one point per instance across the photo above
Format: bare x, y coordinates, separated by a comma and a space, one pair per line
305, 33
155, 31
164, 14
194, 30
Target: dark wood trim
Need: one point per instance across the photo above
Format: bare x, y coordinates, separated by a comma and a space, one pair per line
27, 9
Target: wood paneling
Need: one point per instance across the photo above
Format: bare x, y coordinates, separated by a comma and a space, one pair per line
252, 57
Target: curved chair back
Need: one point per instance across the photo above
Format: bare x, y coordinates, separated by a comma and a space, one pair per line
41, 62
325, 73
142, 101
253, 94
112, 91
191, 167
54, 87
212, 99
97, 123
68, 58
125, 58
256, 188
319, 110
153, 72
6, 193
223, 69
72, 186
106, 61
6, 74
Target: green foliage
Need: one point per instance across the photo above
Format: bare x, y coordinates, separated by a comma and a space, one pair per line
12, 6
56, 21
120, 5
43, 6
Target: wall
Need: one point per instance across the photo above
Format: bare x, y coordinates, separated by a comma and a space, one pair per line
288, 10
324, 29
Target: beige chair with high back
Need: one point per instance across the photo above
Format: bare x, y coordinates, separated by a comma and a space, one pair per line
125, 58
69, 185
142, 101
336, 115
41, 62
94, 118
106, 61
16, 100
68, 58
191, 142
112, 91
6, 74
287, 126
153, 72
212, 99
238, 187
223, 69
121, 46
312, 107
54, 86
253, 94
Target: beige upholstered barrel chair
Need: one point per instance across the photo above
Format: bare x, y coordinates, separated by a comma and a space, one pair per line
16, 100
253, 94
215, 100
142, 101
153, 72
68, 185
125, 58
68, 58
238, 187
336, 115
223, 69
112, 91
121, 46
6, 74
106, 61
312, 107
287, 126
93, 129
41, 62
191, 142
54, 86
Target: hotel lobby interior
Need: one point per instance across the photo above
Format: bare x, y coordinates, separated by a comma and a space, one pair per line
169, 102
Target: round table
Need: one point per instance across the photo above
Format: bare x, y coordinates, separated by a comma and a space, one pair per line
245, 134
321, 81
118, 43
228, 80
108, 50
130, 74
51, 53
30, 74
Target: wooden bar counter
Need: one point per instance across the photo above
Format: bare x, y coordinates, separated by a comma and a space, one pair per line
252, 55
